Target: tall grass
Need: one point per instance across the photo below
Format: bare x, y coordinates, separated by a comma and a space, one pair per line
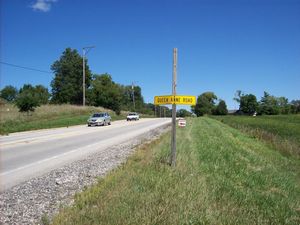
282, 131
46, 116
222, 177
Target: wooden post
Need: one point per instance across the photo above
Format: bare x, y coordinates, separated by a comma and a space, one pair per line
83, 77
174, 84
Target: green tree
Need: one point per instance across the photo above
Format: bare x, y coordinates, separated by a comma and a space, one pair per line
138, 98
205, 104
42, 94
149, 108
295, 106
269, 105
248, 104
27, 99
67, 83
39, 92
27, 87
128, 93
9, 93
183, 113
106, 93
221, 108
284, 106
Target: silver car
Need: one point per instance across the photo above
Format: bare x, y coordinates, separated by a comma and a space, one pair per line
99, 119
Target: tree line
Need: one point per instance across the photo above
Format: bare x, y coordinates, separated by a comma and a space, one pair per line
101, 90
209, 104
27, 98
66, 88
268, 104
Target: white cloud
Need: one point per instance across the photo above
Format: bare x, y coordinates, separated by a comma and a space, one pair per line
42, 5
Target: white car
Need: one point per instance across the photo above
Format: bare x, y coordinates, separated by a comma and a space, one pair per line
99, 119
133, 116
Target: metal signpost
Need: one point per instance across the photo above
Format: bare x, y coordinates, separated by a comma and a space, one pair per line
174, 100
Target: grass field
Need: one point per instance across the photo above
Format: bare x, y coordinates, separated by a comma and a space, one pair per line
282, 131
222, 176
46, 116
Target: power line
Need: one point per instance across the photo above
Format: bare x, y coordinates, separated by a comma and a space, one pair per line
24, 67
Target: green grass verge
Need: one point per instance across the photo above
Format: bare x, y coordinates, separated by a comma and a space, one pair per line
282, 131
222, 176
48, 116
59, 121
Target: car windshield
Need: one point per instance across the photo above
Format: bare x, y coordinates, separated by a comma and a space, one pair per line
132, 114
98, 115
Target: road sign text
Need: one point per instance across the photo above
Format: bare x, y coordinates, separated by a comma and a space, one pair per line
175, 99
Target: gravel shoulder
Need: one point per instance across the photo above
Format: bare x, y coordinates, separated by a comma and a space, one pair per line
28, 202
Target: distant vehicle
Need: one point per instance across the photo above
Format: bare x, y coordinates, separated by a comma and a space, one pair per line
99, 119
133, 116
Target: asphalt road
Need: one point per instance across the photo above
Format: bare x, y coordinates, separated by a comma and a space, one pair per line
29, 154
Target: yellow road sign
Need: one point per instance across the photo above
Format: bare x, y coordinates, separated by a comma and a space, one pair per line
175, 99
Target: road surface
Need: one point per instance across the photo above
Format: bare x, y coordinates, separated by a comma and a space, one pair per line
29, 154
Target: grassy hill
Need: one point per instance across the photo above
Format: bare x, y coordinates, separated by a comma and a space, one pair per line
47, 116
223, 176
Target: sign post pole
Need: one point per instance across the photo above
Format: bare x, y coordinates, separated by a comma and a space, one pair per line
174, 84
174, 100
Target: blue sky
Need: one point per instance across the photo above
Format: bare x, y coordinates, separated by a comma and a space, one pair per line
223, 46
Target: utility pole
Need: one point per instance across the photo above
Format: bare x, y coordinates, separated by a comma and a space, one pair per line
132, 88
174, 84
83, 77
85, 50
